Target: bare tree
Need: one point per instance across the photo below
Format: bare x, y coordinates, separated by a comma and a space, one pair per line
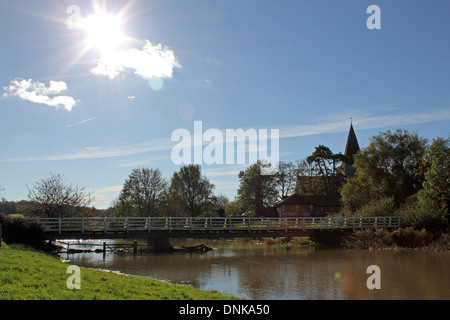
52, 197
285, 179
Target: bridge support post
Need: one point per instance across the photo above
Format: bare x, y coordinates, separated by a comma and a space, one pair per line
161, 244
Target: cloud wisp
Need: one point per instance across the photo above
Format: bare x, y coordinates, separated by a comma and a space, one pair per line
153, 61
99, 152
366, 122
37, 92
79, 122
161, 144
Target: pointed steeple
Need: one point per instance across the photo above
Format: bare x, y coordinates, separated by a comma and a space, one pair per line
352, 145
351, 148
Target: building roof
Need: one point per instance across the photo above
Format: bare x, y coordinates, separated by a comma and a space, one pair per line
323, 201
352, 146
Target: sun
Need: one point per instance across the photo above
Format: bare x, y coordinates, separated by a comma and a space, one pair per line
103, 31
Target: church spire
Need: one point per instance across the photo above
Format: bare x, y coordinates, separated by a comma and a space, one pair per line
351, 148
352, 145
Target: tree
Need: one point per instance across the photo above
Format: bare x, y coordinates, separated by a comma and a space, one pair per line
191, 193
235, 208
386, 168
256, 191
52, 197
436, 185
141, 193
220, 203
327, 164
285, 179
307, 180
8, 207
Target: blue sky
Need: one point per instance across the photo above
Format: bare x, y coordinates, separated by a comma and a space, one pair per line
303, 67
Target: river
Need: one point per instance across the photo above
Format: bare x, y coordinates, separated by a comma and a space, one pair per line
274, 272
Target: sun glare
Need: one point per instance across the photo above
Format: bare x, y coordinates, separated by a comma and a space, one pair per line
103, 32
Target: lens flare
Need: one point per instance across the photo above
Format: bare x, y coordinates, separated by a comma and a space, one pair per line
156, 83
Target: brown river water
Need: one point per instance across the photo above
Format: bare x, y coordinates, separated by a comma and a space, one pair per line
273, 272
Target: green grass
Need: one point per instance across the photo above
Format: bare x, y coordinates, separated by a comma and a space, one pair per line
27, 274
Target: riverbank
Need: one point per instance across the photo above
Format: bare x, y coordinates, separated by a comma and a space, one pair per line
29, 274
403, 238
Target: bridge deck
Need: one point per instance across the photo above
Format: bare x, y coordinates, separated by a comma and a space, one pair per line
202, 227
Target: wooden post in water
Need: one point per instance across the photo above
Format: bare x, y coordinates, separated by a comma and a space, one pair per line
135, 247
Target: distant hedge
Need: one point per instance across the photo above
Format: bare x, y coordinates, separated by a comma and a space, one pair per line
15, 230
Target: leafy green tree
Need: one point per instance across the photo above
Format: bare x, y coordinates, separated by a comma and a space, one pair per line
141, 193
220, 203
429, 208
436, 186
8, 207
386, 168
234, 208
256, 191
327, 165
191, 193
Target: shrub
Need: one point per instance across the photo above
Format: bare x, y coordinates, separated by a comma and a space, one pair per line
424, 215
15, 230
403, 238
369, 238
270, 241
411, 238
377, 208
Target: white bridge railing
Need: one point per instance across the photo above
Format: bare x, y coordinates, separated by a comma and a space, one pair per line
89, 225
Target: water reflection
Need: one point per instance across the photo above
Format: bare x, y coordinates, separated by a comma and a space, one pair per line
282, 273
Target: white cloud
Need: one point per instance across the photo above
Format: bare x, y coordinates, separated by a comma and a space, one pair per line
37, 92
104, 195
152, 61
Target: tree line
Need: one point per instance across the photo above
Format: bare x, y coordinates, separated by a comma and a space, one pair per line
188, 193
398, 173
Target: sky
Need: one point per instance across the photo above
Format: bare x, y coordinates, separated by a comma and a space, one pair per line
94, 89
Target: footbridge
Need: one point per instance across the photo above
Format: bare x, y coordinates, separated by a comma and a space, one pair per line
202, 227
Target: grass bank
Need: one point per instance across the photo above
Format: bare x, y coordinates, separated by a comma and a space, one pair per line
29, 274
